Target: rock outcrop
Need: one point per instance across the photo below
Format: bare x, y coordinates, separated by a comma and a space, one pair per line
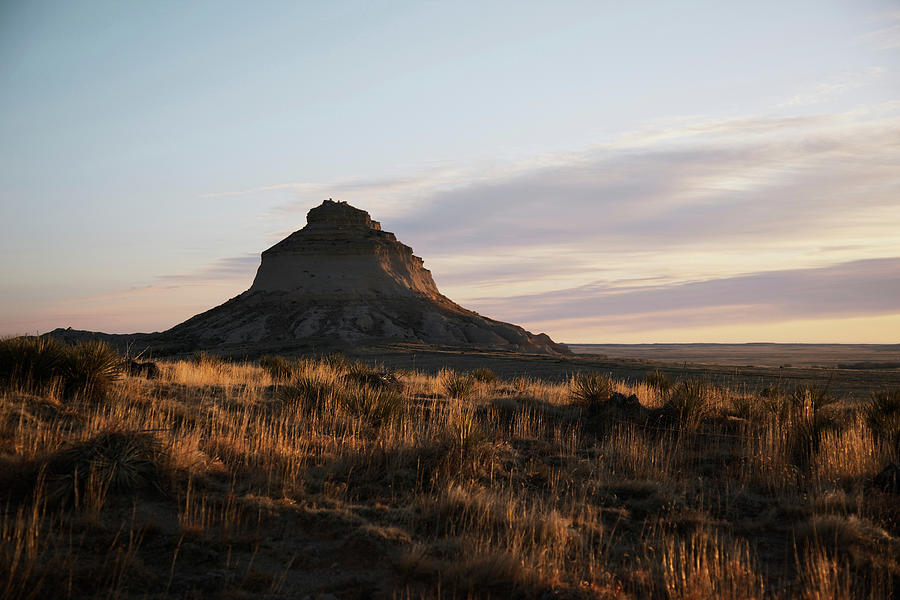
342, 280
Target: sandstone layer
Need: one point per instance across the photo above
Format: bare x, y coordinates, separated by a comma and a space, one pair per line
342, 280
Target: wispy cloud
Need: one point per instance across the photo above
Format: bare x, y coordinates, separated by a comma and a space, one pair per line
747, 197
867, 287
886, 36
679, 222
688, 221
826, 90
234, 267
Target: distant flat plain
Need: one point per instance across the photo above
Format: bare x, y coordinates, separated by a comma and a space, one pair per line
848, 371
757, 355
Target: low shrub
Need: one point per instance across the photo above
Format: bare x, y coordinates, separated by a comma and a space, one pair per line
591, 390
278, 367
808, 421
31, 362
690, 402
375, 406
91, 368
310, 392
459, 386
484, 375
374, 379
659, 380
340, 362
882, 415
120, 462
88, 368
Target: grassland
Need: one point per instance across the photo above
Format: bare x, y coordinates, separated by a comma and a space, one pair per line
852, 356
329, 478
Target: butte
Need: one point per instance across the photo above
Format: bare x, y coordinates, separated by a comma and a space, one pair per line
343, 281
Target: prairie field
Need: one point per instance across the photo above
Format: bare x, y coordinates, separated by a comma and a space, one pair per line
329, 477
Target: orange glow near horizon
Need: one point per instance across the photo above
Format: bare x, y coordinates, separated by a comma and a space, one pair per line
880, 329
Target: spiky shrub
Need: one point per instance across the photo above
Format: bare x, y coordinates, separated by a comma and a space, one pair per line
658, 380
882, 415
30, 362
311, 392
340, 362
278, 367
356, 371
807, 420
91, 368
690, 402
591, 390
371, 405
112, 462
484, 375
459, 386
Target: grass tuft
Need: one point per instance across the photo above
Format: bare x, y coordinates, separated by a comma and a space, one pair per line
372, 405
882, 415
591, 391
39, 364
91, 368
483, 375
808, 420
30, 362
659, 380
111, 462
690, 402
459, 386
311, 391
279, 367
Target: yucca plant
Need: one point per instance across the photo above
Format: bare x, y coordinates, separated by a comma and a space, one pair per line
340, 362
808, 421
459, 386
375, 406
883, 416
689, 402
658, 380
310, 392
91, 368
113, 462
591, 390
30, 361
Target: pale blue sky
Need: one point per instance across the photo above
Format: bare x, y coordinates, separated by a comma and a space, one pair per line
544, 153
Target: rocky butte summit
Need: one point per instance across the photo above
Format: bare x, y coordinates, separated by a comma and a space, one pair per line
343, 281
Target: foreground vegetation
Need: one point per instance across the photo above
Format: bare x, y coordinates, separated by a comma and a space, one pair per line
326, 477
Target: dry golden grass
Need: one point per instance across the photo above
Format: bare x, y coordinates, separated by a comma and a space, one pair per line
450, 484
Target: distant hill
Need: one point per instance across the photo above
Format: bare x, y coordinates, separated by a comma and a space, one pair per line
340, 281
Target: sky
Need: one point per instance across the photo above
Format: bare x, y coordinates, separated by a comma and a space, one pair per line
604, 172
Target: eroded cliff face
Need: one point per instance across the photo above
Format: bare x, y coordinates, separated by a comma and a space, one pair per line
342, 253
341, 280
